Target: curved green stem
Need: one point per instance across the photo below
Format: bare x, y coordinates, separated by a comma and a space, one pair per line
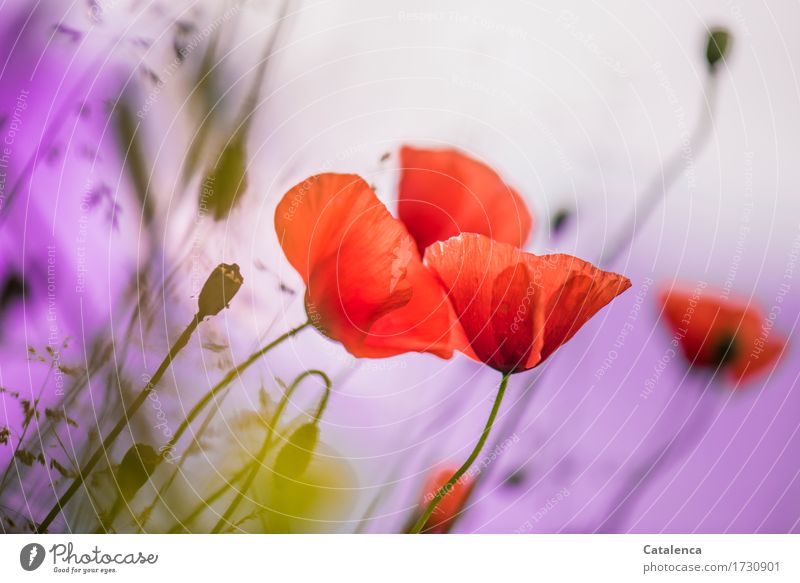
122, 423
255, 465
144, 516
423, 519
208, 501
669, 172
232, 375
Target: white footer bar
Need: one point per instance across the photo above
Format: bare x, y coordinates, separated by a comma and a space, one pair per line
379, 558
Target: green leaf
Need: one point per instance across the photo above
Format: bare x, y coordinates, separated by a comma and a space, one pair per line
129, 143
226, 181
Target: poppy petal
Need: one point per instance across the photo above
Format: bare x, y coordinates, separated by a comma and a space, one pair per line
516, 312
490, 288
451, 504
716, 332
575, 290
517, 308
760, 357
366, 286
444, 192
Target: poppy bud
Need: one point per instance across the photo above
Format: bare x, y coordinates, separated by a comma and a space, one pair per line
219, 289
293, 460
719, 42
451, 504
135, 468
559, 221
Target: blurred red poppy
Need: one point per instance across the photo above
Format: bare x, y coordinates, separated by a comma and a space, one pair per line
444, 192
517, 308
366, 284
450, 505
716, 332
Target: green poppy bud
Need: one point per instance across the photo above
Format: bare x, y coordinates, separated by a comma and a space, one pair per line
135, 468
219, 289
719, 43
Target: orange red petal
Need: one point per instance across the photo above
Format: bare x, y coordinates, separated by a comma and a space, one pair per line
450, 505
444, 192
366, 285
517, 308
717, 332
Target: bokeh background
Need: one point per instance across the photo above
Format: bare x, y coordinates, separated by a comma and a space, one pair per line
112, 111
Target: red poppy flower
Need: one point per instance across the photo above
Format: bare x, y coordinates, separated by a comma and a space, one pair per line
366, 284
443, 193
517, 308
450, 505
721, 333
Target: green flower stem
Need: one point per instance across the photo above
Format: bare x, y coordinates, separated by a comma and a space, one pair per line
209, 500
232, 375
669, 172
423, 520
206, 502
144, 516
122, 423
255, 465
647, 203
214, 496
